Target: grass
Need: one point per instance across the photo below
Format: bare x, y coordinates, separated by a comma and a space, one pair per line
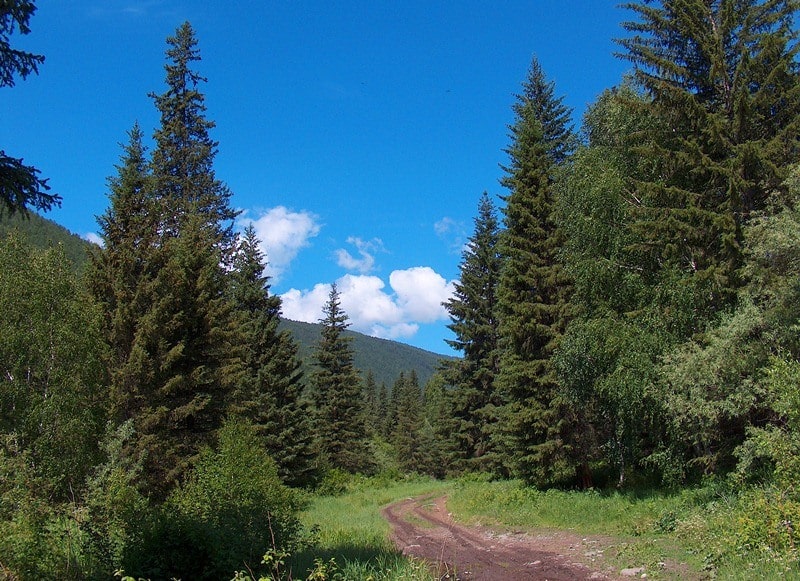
711, 532
707, 532
355, 536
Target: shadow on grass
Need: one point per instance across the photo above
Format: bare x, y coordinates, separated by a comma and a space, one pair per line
346, 556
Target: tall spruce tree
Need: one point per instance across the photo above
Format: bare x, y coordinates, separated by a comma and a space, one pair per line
473, 316
183, 160
270, 393
723, 81
533, 290
337, 393
120, 274
169, 316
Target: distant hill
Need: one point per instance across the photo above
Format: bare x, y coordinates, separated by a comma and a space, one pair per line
43, 233
386, 359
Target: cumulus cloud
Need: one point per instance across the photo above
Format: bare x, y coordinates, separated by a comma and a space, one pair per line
421, 292
415, 298
283, 233
365, 262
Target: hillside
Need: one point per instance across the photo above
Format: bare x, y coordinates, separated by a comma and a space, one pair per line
43, 233
385, 358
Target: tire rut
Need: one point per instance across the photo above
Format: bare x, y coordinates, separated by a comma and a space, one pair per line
422, 528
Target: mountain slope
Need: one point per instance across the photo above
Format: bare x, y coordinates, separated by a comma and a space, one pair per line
40, 232
386, 359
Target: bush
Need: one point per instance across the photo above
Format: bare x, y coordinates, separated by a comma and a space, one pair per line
232, 509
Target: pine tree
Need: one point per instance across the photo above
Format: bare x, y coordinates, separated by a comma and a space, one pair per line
337, 393
533, 289
270, 393
473, 316
723, 82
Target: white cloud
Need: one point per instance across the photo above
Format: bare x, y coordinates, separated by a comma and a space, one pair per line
366, 251
420, 293
94, 238
416, 298
305, 305
283, 234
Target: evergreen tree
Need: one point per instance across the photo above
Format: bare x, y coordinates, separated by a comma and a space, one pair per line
166, 293
270, 393
473, 316
382, 406
337, 393
20, 184
371, 412
183, 160
723, 83
120, 275
533, 289
406, 433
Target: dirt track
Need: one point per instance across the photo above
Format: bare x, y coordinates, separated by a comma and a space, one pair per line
423, 528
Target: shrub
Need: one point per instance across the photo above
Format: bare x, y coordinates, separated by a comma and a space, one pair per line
232, 508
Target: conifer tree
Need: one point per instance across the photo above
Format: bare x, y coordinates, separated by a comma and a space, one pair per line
473, 315
406, 432
270, 393
120, 274
337, 393
20, 184
533, 289
724, 86
183, 160
168, 311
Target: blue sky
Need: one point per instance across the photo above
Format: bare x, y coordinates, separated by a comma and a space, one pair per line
356, 135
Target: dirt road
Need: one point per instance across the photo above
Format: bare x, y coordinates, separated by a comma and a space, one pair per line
423, 528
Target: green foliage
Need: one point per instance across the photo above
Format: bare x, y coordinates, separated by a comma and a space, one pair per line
270, 392
114, 508
474, 323
336, 392
51, 361
533, 289
162, 282
230, 509
714, 72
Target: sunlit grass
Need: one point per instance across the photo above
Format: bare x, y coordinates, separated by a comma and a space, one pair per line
352, 531
635, 523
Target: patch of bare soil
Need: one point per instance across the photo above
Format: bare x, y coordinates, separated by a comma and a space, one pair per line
423, 528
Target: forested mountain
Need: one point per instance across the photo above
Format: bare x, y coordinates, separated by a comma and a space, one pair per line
41, 232
384, 358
